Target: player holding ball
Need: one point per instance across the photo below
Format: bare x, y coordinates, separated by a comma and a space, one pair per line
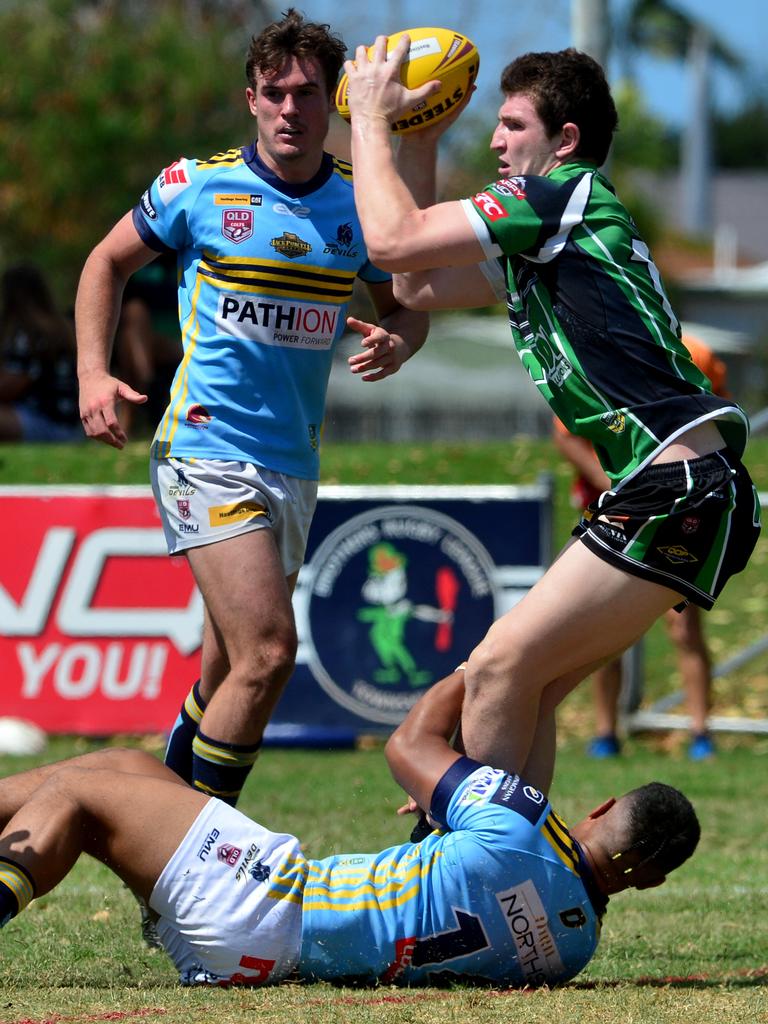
596, 333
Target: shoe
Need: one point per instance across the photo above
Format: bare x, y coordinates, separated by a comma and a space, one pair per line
421, 829
604, 746
149, 934
702, 747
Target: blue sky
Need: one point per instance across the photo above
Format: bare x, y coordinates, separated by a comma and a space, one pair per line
503, 30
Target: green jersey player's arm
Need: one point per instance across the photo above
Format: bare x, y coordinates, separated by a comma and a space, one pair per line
451, 287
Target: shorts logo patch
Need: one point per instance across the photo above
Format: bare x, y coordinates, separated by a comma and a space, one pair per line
222, 515
615, 421
690, 524
228, 854
677, 554
183, 506
208, 842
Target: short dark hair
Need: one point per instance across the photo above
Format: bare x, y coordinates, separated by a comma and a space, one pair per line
295, 37
564, 86
662, 826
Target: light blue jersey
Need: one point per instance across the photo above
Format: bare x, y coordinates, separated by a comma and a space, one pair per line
266, 271
504, 896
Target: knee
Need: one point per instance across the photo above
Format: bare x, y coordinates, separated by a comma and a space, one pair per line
491, 668
269, 662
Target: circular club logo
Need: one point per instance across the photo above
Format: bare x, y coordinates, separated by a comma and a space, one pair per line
398, 596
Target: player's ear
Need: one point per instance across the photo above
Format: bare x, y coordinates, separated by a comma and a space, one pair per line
603, 808
569, 143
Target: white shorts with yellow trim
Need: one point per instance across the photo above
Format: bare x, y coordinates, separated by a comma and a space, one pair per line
225, 915
202, 501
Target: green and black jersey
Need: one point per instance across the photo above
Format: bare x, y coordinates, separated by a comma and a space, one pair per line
590, 318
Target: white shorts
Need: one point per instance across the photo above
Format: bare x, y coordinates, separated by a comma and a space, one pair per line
201, 501
218, 922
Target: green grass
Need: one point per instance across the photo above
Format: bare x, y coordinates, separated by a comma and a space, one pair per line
75, 955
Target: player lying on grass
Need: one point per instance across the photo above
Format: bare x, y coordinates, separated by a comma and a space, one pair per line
503, 894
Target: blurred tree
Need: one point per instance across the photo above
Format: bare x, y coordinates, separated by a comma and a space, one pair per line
95, 98
741, 139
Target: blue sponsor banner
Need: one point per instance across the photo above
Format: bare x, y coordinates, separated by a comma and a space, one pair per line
399, 584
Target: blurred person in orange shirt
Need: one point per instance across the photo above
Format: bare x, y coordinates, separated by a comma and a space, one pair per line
684, 627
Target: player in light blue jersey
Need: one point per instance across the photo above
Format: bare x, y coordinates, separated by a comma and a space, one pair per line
268, 247
502, 893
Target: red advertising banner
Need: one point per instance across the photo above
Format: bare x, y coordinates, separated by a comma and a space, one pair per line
99, 629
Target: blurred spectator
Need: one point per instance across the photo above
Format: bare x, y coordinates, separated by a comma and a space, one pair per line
148, 341
38, 378
685, 628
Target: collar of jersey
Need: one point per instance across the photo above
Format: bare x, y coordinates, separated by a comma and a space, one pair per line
294, 189
597, 898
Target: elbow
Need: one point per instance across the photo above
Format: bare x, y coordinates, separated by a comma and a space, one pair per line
413, 293
396, 750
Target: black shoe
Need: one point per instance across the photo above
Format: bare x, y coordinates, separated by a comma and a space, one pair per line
421, 829
149, 927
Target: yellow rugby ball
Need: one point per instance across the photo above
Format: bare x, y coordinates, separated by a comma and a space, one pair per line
435, 53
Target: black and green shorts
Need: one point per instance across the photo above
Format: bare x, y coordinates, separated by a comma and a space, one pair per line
687, 525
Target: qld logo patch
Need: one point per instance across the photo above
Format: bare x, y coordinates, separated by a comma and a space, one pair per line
237, 225
396, 597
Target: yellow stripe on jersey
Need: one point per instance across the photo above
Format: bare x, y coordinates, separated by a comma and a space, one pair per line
368, 892
556, 833
189, 333
288, 881
343, 168
229, 158
278, 278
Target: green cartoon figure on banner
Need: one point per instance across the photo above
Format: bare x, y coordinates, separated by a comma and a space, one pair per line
389, 612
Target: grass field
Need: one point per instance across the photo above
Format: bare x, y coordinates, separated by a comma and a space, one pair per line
696, 949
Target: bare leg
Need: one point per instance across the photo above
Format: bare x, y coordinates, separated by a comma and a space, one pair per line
685, 630
606, 685
15, 790
248, 600
132, 823
582, 612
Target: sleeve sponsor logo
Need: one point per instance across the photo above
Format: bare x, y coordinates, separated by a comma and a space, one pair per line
480, 784
489, 207
147, 207
286, 324
516, 796
526, 919
512, 187
223, 515
237, 199
173, 180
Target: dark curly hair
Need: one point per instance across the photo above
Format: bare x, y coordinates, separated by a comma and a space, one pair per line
564, 86
661, 825
295, 37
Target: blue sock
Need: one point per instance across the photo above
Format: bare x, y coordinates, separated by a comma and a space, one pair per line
16, 889
178, 753
220, 769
